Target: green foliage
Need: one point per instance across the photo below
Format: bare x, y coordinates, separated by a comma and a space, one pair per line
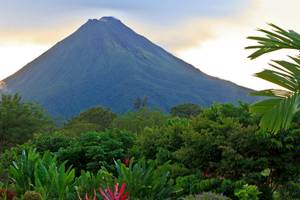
93, 119
186, 110
224, 141
281, 105
146, 180
88, 181
248, 192
93, 150
289, 191
32, 195
19, 120
137, 121
274, 40
194, 185
52, 142
22, 170
207, 196
188, 183
7, 158
43, 174
220, 150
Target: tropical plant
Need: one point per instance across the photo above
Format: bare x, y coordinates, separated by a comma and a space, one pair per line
281, 105
22, 170
146, 180
87, 182
33, 172
108, 194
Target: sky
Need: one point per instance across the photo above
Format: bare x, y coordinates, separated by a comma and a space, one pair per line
210, 34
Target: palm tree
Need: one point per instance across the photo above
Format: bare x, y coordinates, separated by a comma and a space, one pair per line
281, 105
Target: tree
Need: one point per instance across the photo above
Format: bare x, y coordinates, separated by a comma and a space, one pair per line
19, 120
186, 110
93, 119
281, 105
137, 121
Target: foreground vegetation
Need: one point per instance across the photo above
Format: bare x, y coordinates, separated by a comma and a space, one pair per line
217, 153
220, 152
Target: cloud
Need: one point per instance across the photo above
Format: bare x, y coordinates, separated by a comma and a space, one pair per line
223, 53
40, 16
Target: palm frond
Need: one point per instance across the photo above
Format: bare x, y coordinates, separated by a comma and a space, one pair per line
277, 93
274, 40
277, 112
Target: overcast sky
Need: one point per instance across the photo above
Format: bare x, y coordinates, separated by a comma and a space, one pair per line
210, 34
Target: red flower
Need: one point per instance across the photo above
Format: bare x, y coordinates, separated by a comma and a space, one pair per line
126, 162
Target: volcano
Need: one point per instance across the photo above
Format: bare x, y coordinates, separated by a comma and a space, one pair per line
106, 63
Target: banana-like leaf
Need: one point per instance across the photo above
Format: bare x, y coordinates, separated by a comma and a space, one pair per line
277, 78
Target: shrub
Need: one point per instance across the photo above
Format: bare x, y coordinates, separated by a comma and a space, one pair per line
52, 142
94, 150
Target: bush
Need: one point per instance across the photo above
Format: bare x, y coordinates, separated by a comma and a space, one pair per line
52, 142
225, 142
94, 150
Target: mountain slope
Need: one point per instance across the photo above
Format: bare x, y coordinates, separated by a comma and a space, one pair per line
106, 63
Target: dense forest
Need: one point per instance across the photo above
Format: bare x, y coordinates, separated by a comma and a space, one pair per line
190, 153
